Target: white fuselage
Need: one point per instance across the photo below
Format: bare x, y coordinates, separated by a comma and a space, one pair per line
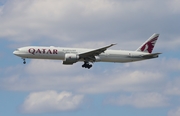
58, 53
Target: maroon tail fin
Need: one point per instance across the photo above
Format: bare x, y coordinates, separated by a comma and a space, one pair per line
149, 44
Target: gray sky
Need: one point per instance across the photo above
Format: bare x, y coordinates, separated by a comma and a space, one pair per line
45, 87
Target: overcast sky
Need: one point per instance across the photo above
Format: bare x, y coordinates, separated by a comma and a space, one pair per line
46, 87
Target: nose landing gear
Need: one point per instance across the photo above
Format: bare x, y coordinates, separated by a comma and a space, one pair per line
87, 65
24, 61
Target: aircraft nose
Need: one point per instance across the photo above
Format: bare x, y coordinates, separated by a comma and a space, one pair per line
15, 53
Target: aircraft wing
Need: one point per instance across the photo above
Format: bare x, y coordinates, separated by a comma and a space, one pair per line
95, 52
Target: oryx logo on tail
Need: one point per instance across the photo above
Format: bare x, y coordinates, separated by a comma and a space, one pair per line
149, 44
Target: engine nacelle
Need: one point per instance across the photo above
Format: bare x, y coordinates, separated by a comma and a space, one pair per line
97, 59
70, 59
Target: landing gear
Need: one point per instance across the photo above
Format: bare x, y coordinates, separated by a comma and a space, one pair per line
24, 61
87, 65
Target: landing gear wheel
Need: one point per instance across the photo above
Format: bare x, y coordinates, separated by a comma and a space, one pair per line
86, 65
24, 61
89, 66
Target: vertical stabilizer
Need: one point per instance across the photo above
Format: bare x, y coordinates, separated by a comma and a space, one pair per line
149, 44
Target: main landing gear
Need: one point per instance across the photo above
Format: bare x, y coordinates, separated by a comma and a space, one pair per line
87, 65
24, 61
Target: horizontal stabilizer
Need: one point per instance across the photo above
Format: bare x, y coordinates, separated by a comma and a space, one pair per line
154, 55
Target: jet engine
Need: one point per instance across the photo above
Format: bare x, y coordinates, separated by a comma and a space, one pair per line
70, 59
97, 59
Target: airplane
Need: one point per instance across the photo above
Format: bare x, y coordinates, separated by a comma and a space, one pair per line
89, 56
